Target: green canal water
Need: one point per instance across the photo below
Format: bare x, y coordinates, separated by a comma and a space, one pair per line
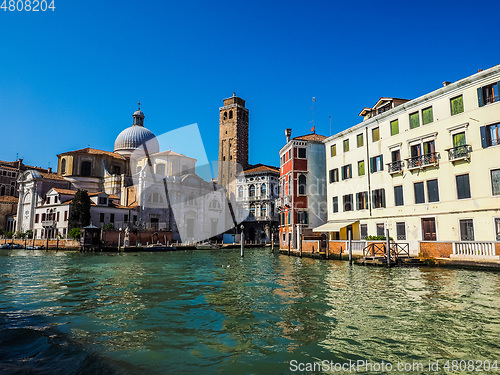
213, 312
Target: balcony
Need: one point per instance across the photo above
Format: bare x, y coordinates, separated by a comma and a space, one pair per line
422, 161
459, 153
491, 99
48, 223
395, 167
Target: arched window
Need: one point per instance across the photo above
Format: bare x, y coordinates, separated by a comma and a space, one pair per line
85, 169
231, 114
160, 169
2, 190
302, 184
251, 191
263, 210
263, 190
116, 169
225, 115
214, 205
240, 192
63, 166
252, 211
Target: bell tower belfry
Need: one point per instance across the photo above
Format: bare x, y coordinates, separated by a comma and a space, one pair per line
233, 142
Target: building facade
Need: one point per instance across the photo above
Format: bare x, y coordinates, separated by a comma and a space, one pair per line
302, 202
9, 172
427, 169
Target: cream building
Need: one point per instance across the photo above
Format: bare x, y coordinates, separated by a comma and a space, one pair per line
427, 169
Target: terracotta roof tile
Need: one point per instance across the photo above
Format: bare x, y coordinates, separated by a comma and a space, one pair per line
65, 191
94, 151
8, 199
261, 168
311, 137
52, 176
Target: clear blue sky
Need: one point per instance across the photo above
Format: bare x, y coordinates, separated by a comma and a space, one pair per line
72, 77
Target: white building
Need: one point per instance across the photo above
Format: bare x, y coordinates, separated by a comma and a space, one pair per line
426, 169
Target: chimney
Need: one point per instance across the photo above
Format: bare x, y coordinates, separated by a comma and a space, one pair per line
19, 163
49, 169
288, 133
446, 83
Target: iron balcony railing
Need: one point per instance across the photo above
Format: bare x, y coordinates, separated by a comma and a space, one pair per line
459, 152
422, 160
395, 166
491, 99
48, 223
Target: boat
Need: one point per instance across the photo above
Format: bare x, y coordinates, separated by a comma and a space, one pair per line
207, 246
159, 247
30, 247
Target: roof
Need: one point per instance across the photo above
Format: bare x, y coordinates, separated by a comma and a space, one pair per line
65, 191
8, 199
170, 153
24, 167
52, 176
311, 137
94, 151
261, 168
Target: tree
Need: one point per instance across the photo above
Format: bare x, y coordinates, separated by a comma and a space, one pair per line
19, 234
80, 210
75, 233
29, 233
9, 234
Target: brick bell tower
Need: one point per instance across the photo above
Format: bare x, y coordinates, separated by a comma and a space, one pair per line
233, 142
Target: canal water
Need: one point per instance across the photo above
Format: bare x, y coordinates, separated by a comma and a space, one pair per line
212, 312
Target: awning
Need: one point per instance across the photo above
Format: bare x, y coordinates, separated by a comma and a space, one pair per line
333, 226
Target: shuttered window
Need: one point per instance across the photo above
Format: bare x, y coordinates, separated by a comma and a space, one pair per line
495, 181
457, 105
463, 186
427, 116
414, 120
394, 127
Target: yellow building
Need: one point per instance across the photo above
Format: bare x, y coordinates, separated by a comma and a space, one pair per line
428, 170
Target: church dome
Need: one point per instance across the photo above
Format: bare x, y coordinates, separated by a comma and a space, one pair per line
136, 136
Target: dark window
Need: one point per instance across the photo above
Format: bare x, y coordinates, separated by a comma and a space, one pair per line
86, 168
335, 204
396, 155
252, 210
429, 229
457, 105
346, 172
488, 94
362, 200
37, 218
380, 229
414, 120
364, 231
334, 175
101, 217
48, 199
376, 164
111, 218
375, 134
466, 230
302, 153
495, 181
432, 191
116, 170
125, 218
63, 166
251, 191
263, 189
230, 114
418, 187
65, 215
348, 202
378, 198
490, 135
302, 217
57, 216
401, 231
103, 200
497, 229
463, 186
302, 184
398, 195
43, 217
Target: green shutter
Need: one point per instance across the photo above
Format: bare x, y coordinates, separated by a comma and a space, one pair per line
414, 120
371, 165
394, 127
427, 116
480, 96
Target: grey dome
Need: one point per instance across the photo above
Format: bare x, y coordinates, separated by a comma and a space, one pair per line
135, 136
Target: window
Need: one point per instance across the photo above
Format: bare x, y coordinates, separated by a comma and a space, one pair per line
359, 140
263, 210
346, 172
290, 154
427, 116
376, 164
490, 135
497, 229
429, 229
252, 211
214, 205
457, 105
251, 191
263, 190
495, 181
63, 166
432, 191
302, 153
346, 145
380, 229
37, 218
414, 120
362, 200
378, 198
160, 169
101, 217
302, 184
43, 217
466, 230
333, 150
111, 218
459, 139
375, 134
240, 192
394, 127
230, 114
396, 156
48, 198
429, 148
57, 216
418, 187
347, 202
401, 231
463, 186
361, 168
65, 215
103, 200
116, 170
364, 231
398, 195
334, 175
335, 204
488, 94
302, 217
85, 169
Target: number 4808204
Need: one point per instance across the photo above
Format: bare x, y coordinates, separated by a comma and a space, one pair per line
27, 5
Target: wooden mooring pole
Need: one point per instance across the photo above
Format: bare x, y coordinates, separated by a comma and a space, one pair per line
387, 244
350, 246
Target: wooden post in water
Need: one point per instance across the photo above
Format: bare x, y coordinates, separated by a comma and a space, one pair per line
119, 238
388, 247
242, 241
272, 242
349, 237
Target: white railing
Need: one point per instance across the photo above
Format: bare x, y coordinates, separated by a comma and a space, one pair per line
357, 245
474, 248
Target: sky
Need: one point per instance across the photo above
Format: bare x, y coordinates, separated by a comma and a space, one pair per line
72, 77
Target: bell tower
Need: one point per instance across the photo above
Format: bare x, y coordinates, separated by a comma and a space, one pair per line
233, 142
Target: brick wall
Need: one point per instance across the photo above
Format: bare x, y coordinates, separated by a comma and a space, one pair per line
63, 244
308, 245
436, 249
497, 248
336, 247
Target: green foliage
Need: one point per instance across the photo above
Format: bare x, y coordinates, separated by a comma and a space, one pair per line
2, 232
377, 238
9, 234
75, 233
80, 210
19, 234
108, 226
29, 233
